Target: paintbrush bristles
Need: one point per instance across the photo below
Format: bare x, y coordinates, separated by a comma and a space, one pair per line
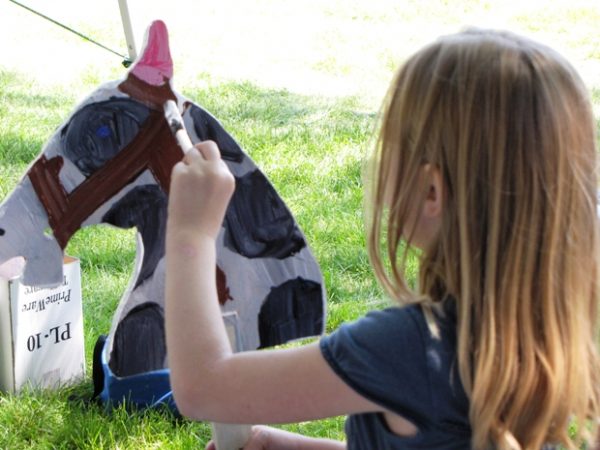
175, 121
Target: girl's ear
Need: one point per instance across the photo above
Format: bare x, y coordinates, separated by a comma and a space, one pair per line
434, 201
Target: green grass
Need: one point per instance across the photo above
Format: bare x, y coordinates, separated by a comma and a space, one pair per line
53, 420
310, 146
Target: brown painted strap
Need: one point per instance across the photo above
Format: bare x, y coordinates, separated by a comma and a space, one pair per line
152, 96
161, 161
154, 148
46, 183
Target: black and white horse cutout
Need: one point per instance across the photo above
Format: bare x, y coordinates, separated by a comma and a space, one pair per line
110, 162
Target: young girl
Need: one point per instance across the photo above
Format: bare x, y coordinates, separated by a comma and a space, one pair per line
486, 161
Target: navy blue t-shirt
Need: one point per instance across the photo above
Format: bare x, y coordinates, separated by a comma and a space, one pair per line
391, 358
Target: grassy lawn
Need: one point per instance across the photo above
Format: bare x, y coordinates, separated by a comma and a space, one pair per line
298, 84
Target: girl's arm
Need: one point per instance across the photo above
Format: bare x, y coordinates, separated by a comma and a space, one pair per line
210, 382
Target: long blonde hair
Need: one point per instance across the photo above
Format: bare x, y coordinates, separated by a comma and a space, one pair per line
508, 122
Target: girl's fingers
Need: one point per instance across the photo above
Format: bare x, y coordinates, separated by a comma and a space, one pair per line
206, 150
179, 167
192, 155
209, 150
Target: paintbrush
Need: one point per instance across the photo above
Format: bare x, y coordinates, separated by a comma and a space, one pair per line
175, 121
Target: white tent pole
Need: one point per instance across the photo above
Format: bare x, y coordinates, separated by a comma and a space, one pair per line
128, 30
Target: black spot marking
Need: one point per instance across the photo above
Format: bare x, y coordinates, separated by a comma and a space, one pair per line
291, 311
144, 207
257, 223
139, 343
207, 127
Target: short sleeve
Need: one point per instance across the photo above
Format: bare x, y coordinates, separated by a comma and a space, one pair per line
383, 358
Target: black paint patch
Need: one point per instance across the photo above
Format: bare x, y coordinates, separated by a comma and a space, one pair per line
291, 311
98, 131
144, 207
139, 342
257, 223
208, 128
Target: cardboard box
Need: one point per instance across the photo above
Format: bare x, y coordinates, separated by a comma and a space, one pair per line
41, 330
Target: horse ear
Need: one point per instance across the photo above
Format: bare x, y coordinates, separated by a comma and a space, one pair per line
155, 65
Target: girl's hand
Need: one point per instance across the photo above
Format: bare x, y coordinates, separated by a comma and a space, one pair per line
258, 440
267, 438
201, 187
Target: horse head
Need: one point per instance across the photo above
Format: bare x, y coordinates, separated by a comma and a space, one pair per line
110, 142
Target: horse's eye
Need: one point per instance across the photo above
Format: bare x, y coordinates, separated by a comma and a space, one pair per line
2, 231
103, 131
